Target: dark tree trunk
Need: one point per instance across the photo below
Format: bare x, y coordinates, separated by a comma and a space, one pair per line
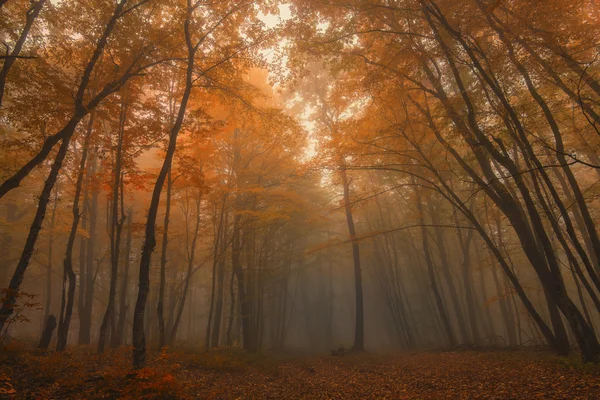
229, 338
85, 315
465, 244
68, 296
48, 302
241, 281
116, 227
520, 226
545, 263
449, 333
34, 231
447, 274
359, 328
120, 331
47, 333
213, 328
139, 340
162, 339
188, 277
484, 296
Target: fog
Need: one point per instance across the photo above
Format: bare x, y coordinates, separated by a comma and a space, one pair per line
299, 177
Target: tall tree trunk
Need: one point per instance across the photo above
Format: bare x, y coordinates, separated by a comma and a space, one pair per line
139, 340
48, 301
238, 270
117, 339
500, 196
545, 263
359, 328
85, 316
162, 340
15, 283
465, 245
218, 316
82, 249
228, 335
441, 243
188, 277
116, 226
449, 333
484, 296
68, 297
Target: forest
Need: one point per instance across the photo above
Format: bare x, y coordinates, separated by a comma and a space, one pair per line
300, 199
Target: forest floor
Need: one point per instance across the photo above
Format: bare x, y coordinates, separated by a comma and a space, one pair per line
231, 374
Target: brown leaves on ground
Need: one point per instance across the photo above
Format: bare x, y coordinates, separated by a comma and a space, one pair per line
231, 374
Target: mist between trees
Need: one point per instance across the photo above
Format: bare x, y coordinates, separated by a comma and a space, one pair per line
381, 175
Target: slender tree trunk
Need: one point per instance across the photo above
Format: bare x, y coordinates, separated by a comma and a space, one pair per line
162, 340
441, 243
465, 245
116, 226
241, 281
85, 316
500, 196
216, 248
359, 328
451, 339
188, 277
551, 279
34, 231
486, 309
68, 297
229, 338
218, 313
82, 250
48, 301
139, 340
120, 331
